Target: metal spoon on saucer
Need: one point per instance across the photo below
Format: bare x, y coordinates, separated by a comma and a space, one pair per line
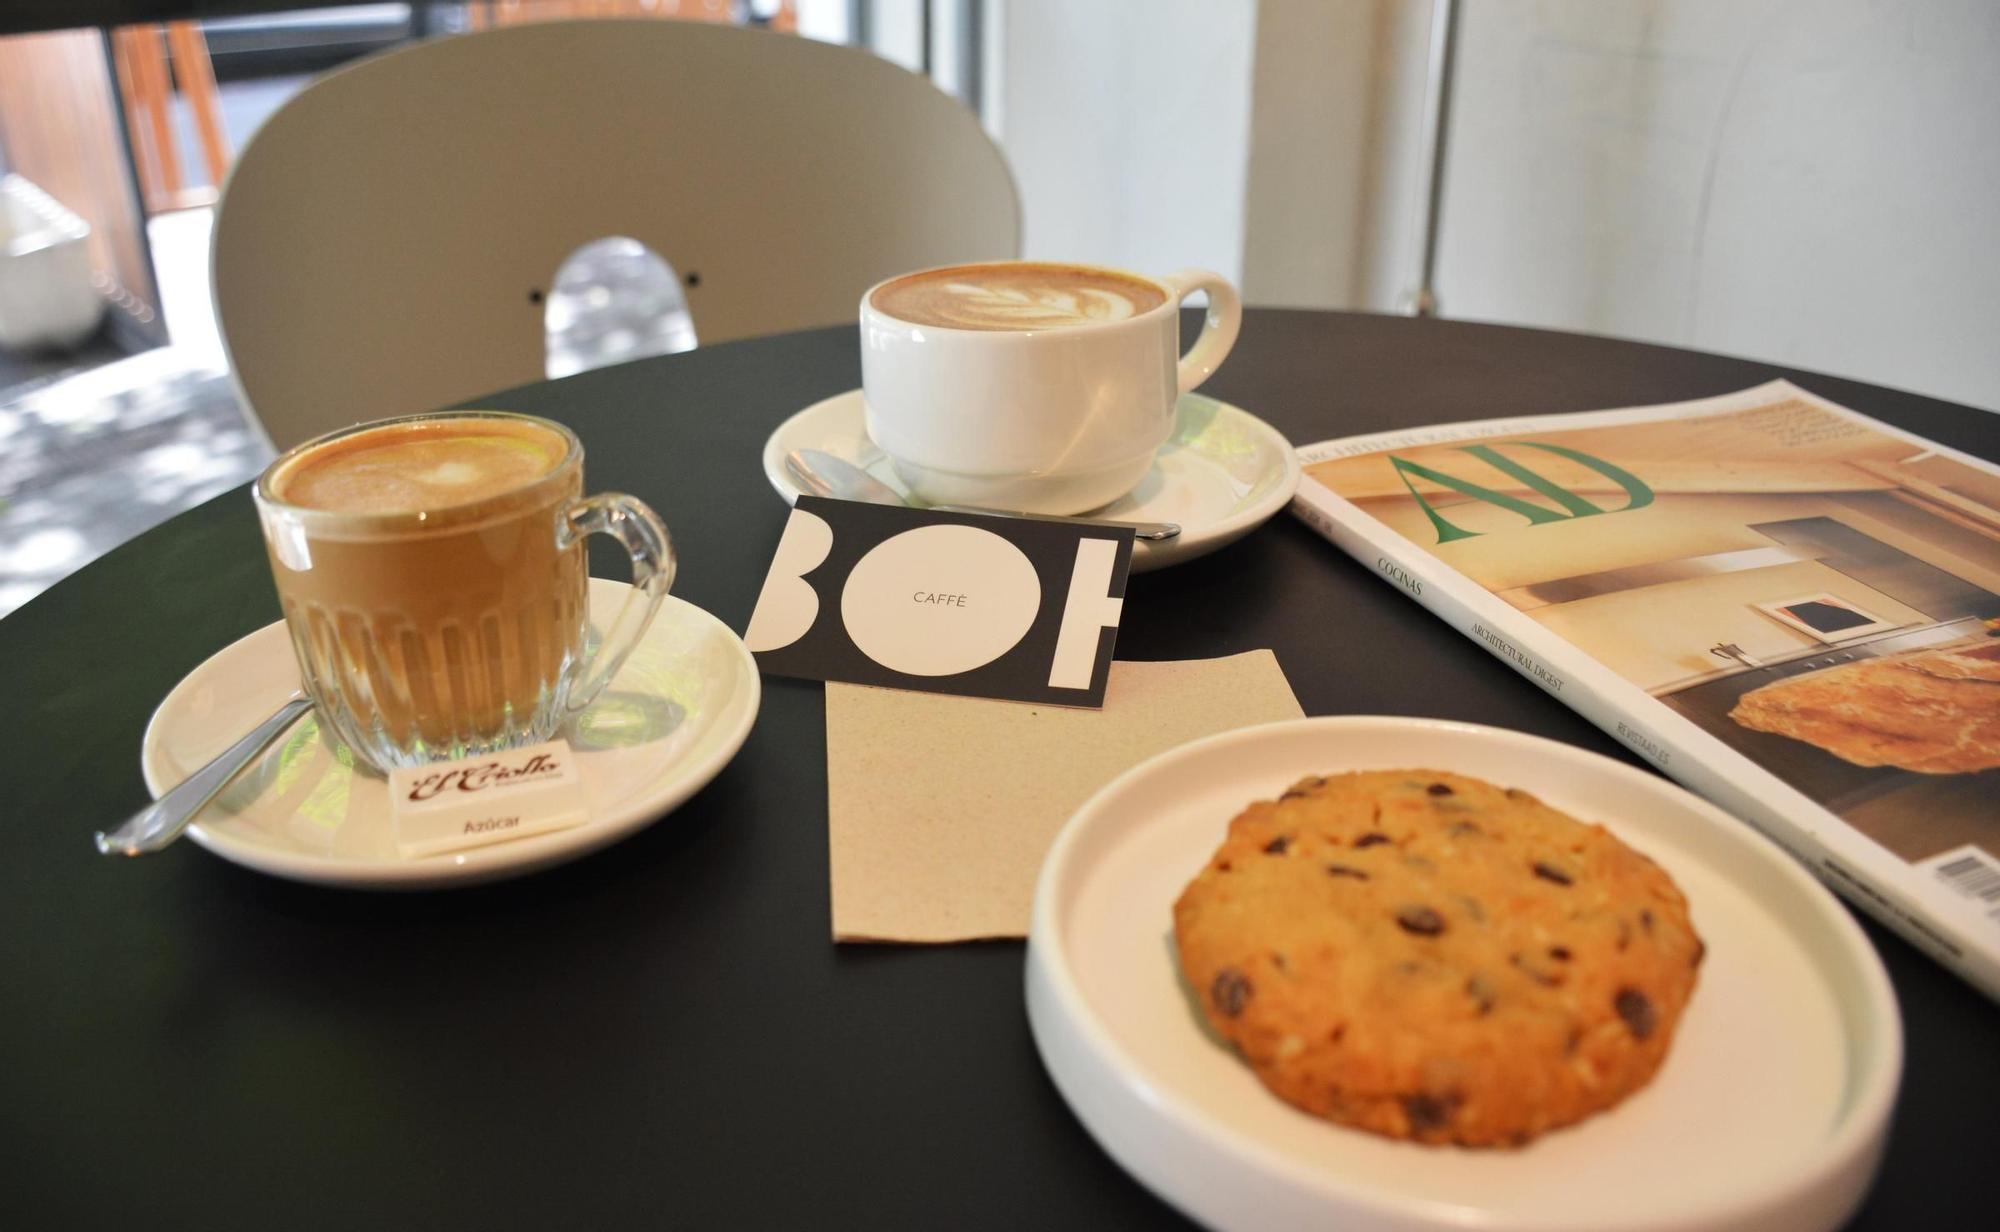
162, 821
822, 474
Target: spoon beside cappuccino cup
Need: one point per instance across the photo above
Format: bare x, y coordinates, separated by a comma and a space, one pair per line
822, 474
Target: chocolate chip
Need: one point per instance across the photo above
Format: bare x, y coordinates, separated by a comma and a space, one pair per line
1559, 952
1276, 847
1302, 789
1549, 872
1346, 870
1338, 1034
1420, 920
1569, 1045
1480, 989
1371, 839
1515, 793
1225, 866
1624, 935
1646, 920
1230, 991
1279, 961
1428, 1112
1637, 1011
1439, 789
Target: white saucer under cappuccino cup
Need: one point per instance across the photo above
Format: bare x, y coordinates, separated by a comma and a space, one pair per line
1045, 387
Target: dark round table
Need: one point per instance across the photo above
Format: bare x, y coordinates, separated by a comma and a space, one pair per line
663, 1033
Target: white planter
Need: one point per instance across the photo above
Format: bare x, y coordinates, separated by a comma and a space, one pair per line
46, 296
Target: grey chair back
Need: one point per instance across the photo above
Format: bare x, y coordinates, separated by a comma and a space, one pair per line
385, 243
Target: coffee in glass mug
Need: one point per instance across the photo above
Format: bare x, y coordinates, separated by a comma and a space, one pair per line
432, 575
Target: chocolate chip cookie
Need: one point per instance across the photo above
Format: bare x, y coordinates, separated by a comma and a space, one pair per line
1429, 956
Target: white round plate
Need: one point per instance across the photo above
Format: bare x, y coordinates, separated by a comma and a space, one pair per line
1221, 475
1769, 1112
671, 719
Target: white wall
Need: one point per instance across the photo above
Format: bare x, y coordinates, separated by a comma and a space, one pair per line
1814, 184
896, 31
1331, 197
1305, 194
1127, 126
829, 21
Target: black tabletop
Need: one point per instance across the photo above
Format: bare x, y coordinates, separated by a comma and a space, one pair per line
663, 1033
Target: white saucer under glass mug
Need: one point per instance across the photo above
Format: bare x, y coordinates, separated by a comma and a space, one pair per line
1045, 387
428, 628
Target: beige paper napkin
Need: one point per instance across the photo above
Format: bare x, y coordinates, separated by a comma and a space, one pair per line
940, 808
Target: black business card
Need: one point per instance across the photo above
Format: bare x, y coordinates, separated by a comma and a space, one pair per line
1024, 609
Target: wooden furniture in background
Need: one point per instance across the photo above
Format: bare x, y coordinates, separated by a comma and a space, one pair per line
60, 127
144, 80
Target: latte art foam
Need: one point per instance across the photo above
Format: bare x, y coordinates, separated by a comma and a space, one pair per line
453, 631
1017, 296
427, 464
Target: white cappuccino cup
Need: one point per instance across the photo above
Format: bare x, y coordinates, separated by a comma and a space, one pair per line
1045, 387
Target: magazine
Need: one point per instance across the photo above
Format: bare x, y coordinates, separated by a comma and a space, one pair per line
1791, 608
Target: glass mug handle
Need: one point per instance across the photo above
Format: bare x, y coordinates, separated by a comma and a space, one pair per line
1219, 324
628, 520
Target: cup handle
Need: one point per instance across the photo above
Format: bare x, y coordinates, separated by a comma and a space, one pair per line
1218, 327
628, 520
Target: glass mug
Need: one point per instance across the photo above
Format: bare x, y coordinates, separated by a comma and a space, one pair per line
433, 579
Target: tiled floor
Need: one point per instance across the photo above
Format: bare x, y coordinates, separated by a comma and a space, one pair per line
87, 463
92, 458
19, 370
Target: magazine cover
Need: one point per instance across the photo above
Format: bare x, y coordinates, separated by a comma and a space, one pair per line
1789, 607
